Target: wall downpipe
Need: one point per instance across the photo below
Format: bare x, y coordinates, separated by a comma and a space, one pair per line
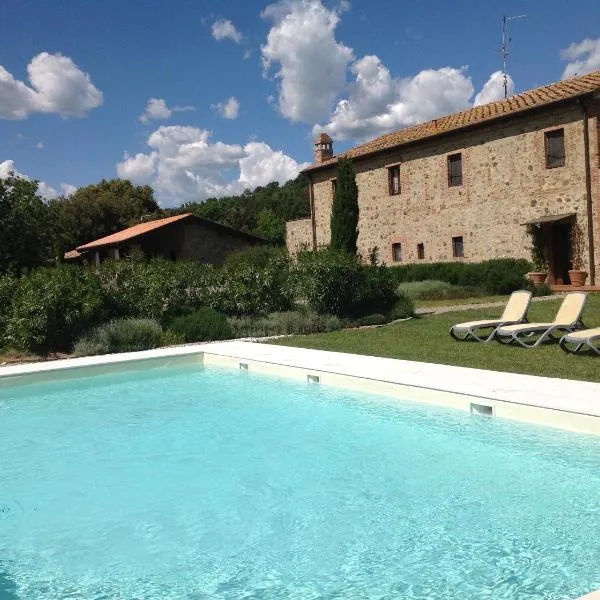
588, 191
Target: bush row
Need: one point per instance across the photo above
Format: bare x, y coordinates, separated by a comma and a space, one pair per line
50, 308
498, 276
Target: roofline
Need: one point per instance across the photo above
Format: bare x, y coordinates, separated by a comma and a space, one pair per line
84, 247
496, 118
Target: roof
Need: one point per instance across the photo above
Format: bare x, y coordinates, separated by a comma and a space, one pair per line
132, 232
536, 98
143, 228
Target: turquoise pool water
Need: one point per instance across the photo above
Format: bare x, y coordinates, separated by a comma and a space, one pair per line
197, 483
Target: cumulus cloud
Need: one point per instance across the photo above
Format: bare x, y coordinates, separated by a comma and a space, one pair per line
311, 64
44, 190
157, 110
583, 56
184, 164
224, 29
494, 89
57, 85
228, 109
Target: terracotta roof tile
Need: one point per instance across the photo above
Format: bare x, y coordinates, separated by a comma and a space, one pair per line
538, 97
132, 232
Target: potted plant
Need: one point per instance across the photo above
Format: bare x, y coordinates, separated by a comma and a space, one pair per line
577, 273
538, 258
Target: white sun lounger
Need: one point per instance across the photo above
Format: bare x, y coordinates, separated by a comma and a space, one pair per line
514, 312
574, 341
568, 319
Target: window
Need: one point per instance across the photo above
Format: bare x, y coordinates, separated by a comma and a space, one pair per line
458, 248
394, 180
555, 148
397, 252
333, 187
421, 251
454, 170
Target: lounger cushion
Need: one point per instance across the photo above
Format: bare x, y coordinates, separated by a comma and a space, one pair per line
510, 329
472, 324
584, 334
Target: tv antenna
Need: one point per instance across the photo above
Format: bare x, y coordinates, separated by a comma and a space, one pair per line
504, 49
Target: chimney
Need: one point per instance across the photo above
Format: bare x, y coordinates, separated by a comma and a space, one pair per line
323, 148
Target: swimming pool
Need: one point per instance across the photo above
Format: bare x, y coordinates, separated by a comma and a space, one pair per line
201, 482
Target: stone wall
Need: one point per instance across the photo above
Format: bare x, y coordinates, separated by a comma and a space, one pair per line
210, 245
298, 235
505, 183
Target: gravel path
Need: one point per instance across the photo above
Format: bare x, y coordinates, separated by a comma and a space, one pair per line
439, 310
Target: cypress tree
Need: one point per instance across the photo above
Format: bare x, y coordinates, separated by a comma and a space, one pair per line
344, 212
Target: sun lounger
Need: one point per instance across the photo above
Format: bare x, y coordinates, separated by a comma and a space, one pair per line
574, 341
515, 312
530, 335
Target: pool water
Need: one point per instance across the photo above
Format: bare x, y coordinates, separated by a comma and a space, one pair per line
197, 483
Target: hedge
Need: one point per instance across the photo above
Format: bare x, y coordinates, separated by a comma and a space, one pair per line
497, 276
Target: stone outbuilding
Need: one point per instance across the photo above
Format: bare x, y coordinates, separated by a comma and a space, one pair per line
465, 186
184, 236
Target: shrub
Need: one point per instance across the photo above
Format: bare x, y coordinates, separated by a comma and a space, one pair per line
52, 307
8, 290
497, 276
284, 323
122, 335
256, 256
247, 290
370, 320
375, 291
538, 290
437, 290
202, 325
402, 309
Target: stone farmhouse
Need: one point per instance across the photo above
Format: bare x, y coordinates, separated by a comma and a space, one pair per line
183, 236
463, 187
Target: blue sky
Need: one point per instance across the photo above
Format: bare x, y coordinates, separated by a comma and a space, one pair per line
76, 78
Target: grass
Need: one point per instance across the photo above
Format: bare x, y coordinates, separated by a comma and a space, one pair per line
426, 339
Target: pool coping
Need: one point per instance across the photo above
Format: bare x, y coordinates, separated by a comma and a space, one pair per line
560, 403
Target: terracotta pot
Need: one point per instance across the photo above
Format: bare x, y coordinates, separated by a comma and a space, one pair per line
537, 278
578, 278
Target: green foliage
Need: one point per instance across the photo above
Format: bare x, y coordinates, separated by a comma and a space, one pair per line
122, 335
24, 232
344, 211
372, 320
262, 211
538, 247
202, 325
8, 290
336, 283
284, 323
403, 308
498, 276
51, 307
98, 210
437, 290
256, 256
538, 290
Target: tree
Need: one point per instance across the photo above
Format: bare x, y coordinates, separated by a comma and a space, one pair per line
98, 210
269, 226
344, 212
24, 230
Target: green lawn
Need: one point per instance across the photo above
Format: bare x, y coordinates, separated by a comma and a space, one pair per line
426, 339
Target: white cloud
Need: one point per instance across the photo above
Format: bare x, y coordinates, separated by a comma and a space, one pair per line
224, 29
157, 110
261, 165
57, 85
44, 190
378, 103
493, 89
247, 54
228, 109
40, 145
68, 189
584, 57
311, 64
184, 164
